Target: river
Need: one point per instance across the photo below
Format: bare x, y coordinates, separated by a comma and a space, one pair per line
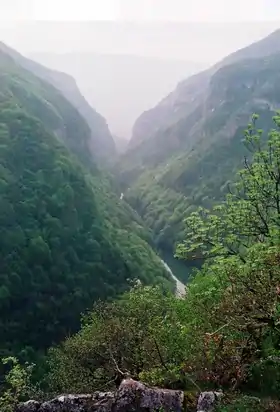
180, 270
180, 287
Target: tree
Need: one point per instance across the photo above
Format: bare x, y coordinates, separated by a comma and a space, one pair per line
251, 212
142, 332
16, 385
65, 241
233, 302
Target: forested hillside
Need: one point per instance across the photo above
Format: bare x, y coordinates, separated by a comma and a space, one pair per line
190, 147
225, 333
100, 143
82, 292
66, 238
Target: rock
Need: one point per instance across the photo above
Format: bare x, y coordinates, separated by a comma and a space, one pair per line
29, 406
131, 396
207, 401
99, 402
135, 396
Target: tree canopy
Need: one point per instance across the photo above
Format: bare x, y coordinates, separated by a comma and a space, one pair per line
225, 333
66, 239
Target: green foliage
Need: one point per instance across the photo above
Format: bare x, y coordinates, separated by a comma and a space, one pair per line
53, 244
100, 145
242, 404
234, 300
21, 89
251, 212
193, 152
264, 374
140, 335
66, 239
16, 385
225, 333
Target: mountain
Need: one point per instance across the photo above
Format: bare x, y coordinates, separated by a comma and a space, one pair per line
67, 240
121, 86
100, 144
191, 93
185, 150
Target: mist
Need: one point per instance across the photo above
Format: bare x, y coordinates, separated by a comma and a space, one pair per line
124, 68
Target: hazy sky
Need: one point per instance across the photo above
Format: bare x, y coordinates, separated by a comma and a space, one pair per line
200, 31
186, 10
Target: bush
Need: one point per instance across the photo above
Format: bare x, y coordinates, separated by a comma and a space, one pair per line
16, 386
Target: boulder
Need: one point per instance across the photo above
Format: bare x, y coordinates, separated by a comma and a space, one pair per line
132, 396
207, 401
135, 396
29, 406
99, 402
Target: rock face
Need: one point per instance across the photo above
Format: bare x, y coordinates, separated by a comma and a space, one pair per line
132, 396
135, 396
207, 401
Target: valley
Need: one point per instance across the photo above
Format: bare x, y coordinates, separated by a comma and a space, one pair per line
66, 238
156, 259
185, 151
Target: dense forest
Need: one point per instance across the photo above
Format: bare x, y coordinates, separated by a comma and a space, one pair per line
193, 150
100, 143
85, 299
66, 238
224, 334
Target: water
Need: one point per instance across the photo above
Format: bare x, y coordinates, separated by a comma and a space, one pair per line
180, 268
180, 287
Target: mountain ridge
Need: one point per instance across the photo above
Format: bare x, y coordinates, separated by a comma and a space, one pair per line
190, 144
121, 86
67, 239
189, 88
102, 146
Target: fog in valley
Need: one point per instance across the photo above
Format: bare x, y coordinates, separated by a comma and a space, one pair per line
139, 205
125, 58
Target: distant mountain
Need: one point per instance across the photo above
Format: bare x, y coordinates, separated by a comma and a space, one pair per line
121, 144
191, 93
185, 150
101, 144
121, 86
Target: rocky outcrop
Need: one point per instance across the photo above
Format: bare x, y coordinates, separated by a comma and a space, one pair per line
132, 396
99, 402
207, 401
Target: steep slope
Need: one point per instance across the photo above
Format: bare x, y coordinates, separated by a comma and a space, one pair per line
191, 93
101, 143
193, 146
121, 86
66, 239
21, 88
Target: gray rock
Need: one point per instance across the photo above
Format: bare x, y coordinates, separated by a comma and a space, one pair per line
135, 396
99, 402
29, 406
207, 401
131, 396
